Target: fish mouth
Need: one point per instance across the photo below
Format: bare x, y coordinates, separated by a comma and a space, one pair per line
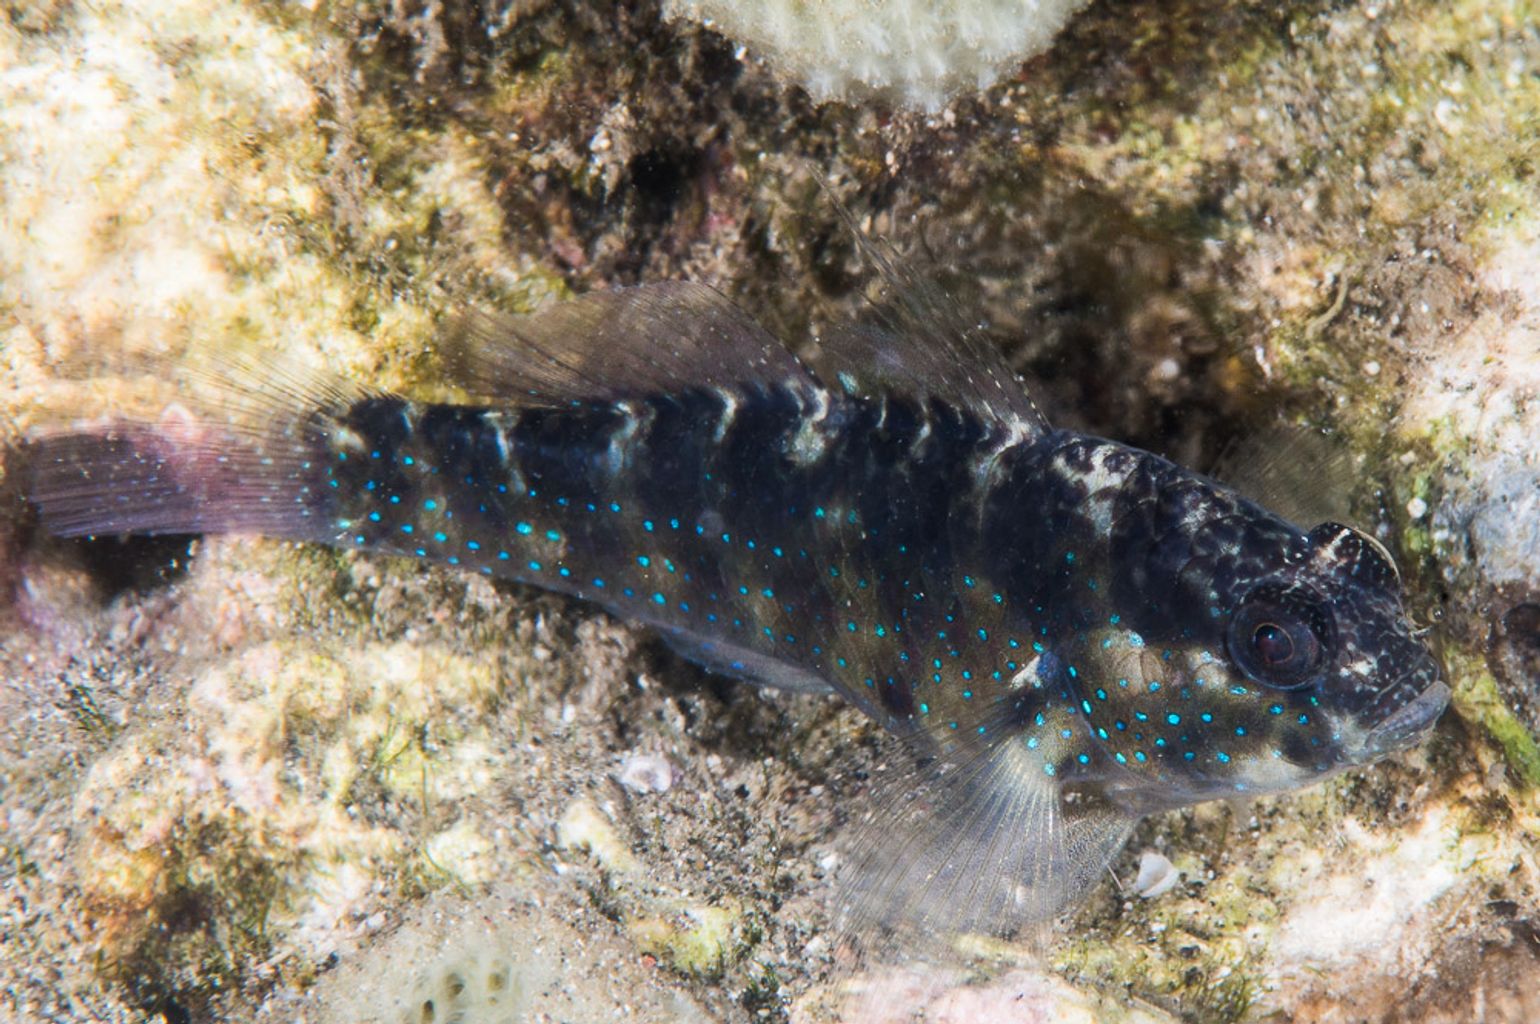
1406, 726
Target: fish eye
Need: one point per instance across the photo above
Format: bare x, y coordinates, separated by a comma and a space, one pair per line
1273, 643
1280, 637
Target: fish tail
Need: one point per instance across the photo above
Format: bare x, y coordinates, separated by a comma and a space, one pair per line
255, 460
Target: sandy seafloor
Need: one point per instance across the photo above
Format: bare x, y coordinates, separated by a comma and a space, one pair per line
253, 781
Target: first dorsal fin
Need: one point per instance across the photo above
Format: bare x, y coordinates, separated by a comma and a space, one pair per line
912, 340
618, 344
1307, 476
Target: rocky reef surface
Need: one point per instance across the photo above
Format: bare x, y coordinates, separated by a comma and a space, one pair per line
250, 781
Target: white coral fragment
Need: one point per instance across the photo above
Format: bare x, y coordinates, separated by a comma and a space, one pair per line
915, 52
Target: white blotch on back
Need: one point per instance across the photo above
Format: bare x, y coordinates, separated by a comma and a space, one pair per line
1102, 484
812, 438
729, 413
624, 435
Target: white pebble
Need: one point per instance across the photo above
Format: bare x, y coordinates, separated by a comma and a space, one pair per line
1157, 875
1416, 508
647, 773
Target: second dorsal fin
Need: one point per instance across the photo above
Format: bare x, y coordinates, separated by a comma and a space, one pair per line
912, 340
624, 343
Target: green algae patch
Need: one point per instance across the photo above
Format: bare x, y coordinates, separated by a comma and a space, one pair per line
1197, 955
1478, 699
695, 939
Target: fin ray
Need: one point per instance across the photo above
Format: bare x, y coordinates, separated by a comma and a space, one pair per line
989, 845
244, 449
741, 663
913, 340
619, 344
1304, 475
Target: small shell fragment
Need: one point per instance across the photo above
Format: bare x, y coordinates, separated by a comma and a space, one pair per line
1157, 875
646, 773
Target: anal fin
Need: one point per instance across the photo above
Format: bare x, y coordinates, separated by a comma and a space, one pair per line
741, 663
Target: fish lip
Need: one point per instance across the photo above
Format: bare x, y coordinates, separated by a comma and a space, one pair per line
1408, 723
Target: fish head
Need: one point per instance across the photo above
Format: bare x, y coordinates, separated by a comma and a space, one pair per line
1334, 630
1297, 661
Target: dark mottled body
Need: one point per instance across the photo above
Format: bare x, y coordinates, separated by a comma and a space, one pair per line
1047, 614
873, 546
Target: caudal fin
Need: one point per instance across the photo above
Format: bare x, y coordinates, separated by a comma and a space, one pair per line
249, 467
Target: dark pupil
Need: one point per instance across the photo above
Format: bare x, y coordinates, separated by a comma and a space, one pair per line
1272, 642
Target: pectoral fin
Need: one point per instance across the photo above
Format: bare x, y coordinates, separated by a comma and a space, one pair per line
983, 842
